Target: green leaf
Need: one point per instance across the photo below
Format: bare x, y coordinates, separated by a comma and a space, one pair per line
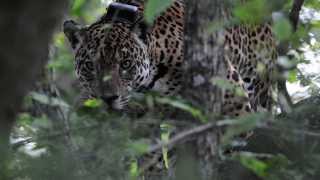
255, 165
24, 119
300, 33
268, 168
139, 147
134, 170
282, 29
93, 103
252, 11
44, 99
293, 76
227, 85
59, 39
240, 125
77, 6
154, 8
55, 65
42, 122
315, 4
183, 106
165, 135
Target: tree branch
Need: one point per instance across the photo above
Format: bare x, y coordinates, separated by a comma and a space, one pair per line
182, 136
201, 129
284, 98
295, 12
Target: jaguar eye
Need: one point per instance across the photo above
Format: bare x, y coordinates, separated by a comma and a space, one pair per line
125, 64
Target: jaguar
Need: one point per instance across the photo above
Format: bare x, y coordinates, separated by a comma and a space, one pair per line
114, 58
120, 54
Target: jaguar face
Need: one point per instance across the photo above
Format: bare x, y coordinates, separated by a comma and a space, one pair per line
110, 61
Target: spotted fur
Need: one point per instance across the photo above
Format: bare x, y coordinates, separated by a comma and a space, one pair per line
151, 58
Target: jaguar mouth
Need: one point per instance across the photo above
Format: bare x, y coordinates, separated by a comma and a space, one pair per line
116, 102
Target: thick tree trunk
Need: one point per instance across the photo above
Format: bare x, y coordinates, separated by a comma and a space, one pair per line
204, 54
26, 30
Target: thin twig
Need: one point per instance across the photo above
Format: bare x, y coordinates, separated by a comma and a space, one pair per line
203, 128
173, 141
181, 136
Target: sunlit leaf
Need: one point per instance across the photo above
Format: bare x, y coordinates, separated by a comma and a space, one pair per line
93, 103
155, 8
278, 161
251, 162
292, 76
165, 134
263, 168
134, 170
59, 39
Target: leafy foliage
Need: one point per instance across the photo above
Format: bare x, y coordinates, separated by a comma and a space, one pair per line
154, 8
282, 29
252, 11
54, 139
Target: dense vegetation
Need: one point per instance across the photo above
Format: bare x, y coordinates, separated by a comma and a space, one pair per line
54, 138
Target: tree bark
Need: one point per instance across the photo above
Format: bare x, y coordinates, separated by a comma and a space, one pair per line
204, 55
26, 30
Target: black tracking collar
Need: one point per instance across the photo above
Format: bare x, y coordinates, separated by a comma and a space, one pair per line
120, 12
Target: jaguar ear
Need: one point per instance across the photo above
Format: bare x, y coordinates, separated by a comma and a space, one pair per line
72, 31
